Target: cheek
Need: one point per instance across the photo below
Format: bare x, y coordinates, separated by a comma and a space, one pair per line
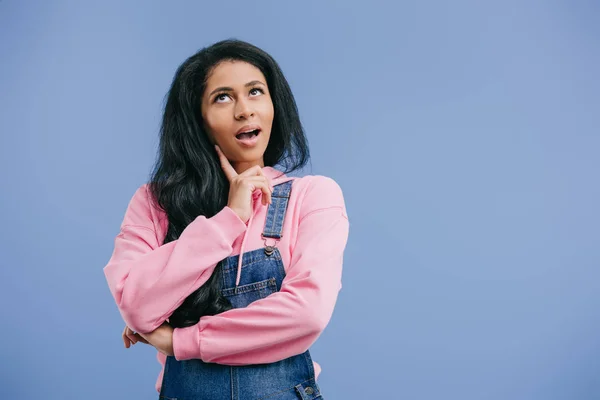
267, 111
215, 125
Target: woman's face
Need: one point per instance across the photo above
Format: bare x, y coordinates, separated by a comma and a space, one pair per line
237, 100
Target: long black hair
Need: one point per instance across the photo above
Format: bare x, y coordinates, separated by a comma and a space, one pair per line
187, 180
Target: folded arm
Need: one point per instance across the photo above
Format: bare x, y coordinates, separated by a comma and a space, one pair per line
149, 281
287, 322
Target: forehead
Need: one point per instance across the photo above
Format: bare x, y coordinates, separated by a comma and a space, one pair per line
232, 74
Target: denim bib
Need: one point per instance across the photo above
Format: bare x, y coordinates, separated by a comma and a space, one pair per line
262, 275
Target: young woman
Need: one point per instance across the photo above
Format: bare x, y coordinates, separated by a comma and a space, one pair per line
226, 265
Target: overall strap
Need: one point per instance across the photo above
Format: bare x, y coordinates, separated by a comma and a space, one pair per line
276, 211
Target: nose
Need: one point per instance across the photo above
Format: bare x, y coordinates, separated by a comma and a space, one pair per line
243, 110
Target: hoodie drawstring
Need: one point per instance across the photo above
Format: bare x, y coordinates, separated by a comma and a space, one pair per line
256, 204
239, 268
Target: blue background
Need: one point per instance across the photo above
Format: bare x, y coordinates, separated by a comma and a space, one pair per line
466, 138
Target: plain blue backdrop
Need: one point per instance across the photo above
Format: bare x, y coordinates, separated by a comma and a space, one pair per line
466, 138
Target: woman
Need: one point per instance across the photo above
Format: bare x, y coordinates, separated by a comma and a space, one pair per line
228, 326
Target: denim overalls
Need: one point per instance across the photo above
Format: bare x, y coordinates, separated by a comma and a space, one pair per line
289, 379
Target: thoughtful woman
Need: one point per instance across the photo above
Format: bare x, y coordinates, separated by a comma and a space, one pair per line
226, 265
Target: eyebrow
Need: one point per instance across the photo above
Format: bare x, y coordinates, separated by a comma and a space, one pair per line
228, 89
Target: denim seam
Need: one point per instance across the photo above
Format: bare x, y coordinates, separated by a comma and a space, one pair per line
285, 390
282, 197
252, 287
251, 263
275, 219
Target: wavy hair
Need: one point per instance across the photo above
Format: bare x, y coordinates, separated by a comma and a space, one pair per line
187, 180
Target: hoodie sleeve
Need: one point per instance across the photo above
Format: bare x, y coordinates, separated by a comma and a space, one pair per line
287, 322
147, 280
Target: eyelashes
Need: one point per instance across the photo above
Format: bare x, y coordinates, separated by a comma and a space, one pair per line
221, 95
217, 97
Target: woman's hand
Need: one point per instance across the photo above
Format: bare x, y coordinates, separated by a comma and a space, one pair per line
130, 337
241, 187
161, 338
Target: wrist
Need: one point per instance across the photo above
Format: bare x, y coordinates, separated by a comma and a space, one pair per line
237, 213
230, 223
186, 343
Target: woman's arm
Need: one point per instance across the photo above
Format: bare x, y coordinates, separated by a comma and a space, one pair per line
149, 281
287, 322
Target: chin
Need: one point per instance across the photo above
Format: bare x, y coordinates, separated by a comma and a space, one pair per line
249, 155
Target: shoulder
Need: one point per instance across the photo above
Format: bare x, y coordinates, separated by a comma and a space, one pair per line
142, 210
319, 186
318, 192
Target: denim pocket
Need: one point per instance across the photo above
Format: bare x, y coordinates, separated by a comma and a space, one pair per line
246, 294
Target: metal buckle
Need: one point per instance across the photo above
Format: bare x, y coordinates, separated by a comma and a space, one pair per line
268, 248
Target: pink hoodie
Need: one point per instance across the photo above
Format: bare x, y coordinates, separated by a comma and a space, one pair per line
149, 280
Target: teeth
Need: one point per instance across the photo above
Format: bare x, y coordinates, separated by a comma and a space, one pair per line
248, 134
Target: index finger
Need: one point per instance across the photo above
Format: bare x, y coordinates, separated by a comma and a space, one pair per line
230, 172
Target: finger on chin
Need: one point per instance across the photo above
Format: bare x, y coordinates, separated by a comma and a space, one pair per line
228, 169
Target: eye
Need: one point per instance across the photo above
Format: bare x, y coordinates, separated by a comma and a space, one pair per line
259, 90
220, 97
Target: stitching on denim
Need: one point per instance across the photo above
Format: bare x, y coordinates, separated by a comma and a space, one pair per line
247, 264
271, 213
251, 287
231, 380
275, 214
285, 390
309, 363
282, 197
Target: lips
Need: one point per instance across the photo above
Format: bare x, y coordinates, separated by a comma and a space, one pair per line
248, 135
248, 131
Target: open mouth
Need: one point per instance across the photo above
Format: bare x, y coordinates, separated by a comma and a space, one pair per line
248, 135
